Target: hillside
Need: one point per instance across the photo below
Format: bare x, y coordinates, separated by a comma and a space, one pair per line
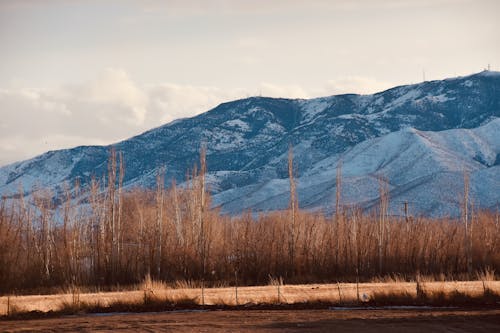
420, 137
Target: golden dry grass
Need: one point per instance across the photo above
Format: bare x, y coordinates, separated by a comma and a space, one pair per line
343, 294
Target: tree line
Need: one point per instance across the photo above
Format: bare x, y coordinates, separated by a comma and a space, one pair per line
103, 236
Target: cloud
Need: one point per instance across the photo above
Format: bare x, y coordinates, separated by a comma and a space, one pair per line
355, 84
107, 109
114, 87
251, 43
284, 91
244, 7
171, 101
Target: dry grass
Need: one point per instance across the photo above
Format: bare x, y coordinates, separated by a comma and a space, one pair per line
186, 284
486, 275
156, 296
151, 285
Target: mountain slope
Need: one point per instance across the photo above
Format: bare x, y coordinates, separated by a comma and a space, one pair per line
424, 168
247, 141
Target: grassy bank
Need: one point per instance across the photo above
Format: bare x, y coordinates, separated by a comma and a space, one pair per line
156, 297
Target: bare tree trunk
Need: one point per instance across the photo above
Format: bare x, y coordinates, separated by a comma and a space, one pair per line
467, 235
98, 225
26, 215
177, 220
77, 236
112, 238
338, 193
384, 200
42, 201
68, 253
354, 231
201, 223
160, 179
119, 237
293, 210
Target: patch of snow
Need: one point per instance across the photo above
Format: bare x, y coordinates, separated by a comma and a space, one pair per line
238, 123
409, 96
439, 98
468, 83
254, 110
313, 107
274, 128
351, 116
379, 101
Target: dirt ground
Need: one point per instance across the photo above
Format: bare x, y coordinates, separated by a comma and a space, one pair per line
345, 320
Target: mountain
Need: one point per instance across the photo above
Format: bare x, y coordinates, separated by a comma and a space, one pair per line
423, 168
420, 137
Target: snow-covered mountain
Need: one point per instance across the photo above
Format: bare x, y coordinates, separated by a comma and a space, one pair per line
423, 168
420, 137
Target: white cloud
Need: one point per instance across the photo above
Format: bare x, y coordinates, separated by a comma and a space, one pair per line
251, 43
355, 84
221, 7
114, 88
107, 109
171, 101
284, 91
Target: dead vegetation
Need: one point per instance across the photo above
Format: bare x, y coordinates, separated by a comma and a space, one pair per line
155, 296
112, 239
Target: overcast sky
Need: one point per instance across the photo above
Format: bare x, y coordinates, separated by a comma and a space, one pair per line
94, 72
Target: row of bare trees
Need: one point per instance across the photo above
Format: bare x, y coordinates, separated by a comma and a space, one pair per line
109, 236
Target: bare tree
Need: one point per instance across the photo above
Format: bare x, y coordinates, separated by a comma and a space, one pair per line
338, 191
338, 220
43, 202
160, 180
119, 237
201, 219
467, 224
354, 237
384, 203
177, 211
111, 241
293, 211
43, 245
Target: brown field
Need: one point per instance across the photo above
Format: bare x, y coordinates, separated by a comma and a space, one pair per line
366, 320
342, 294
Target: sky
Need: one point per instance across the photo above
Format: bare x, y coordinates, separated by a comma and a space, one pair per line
85, 72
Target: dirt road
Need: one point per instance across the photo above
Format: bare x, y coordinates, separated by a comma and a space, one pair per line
343, 320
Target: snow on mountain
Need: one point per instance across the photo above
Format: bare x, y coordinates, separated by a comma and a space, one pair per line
421, 137
424, 168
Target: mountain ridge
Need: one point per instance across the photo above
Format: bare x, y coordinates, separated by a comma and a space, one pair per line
247, 139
